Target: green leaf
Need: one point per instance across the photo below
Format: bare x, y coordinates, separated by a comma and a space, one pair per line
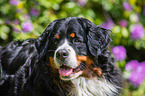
125, 32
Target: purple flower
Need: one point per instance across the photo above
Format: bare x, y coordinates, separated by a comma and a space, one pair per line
19, 10
8, 21
137, 31
123, 23
14, 2
119, 53
27, 26
137, 77
127, 6
16, 21
34, 12
27, 16
142, 64
36, 2
132, 65
81, 2
16, 29
138, 72
108, 25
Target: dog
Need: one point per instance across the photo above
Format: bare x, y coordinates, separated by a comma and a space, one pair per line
70, 58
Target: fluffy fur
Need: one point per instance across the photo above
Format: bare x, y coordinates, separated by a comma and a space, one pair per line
70, 58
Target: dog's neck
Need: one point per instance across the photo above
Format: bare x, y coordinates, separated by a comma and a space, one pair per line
93, 87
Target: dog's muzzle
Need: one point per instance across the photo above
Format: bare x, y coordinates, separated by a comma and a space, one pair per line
62, 54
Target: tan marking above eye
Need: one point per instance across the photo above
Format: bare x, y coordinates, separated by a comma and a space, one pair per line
72, 35
57, 36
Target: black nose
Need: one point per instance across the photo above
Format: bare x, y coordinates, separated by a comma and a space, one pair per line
62, 54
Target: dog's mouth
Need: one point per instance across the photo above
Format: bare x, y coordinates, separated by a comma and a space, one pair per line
67, 73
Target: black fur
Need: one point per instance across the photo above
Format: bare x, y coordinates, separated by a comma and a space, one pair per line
24, 69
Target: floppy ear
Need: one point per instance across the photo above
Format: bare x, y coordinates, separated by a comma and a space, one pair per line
42, 42
98, 39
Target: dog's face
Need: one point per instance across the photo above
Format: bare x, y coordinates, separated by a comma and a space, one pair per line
69, 42
73, 48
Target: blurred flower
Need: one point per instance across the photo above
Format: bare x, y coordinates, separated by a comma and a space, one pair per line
81, 2
36, 2
109, 24
8, 21
16, 21
137, 72
132, 65
134, 17
19, 10
16, 29
127, 6
137, 31
123, 23
106, 25
27, 26
34, 12
119, 53
27, 16
136, 78
142, 64
14, 2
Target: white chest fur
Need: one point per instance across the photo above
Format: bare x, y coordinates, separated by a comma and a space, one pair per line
93, 87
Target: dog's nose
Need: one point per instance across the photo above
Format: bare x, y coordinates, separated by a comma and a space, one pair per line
62, 54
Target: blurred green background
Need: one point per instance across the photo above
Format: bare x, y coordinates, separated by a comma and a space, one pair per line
23, 19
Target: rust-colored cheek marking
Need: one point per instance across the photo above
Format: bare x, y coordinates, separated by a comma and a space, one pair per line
85, 59
51, 62
57, 36
72, 35
92, 70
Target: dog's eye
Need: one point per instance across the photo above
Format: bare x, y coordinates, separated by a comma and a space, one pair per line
55, 42
76, 40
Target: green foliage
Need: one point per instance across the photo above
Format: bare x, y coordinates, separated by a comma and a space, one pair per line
100, 12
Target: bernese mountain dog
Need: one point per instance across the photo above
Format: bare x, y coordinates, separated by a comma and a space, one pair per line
70, 58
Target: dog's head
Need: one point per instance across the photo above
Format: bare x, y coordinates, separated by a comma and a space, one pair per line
73, 47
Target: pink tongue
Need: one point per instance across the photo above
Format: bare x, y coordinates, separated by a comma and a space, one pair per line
65, 72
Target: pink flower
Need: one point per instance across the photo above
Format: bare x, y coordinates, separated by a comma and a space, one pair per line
127, 6
14, 2
123, 23
8, 21
27, 16
137, 72
81, 2
109, 24
132, 65
16, 21
15, 29
27, 26
137, 32
119, 53
137, 77
34, 12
